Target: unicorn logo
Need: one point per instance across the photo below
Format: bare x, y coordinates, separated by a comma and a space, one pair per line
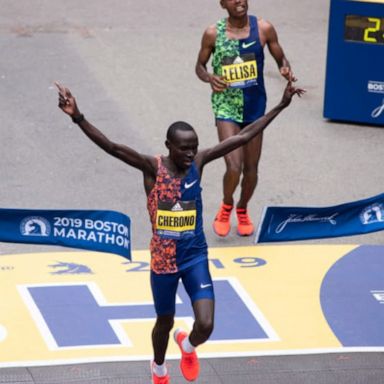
378, 111
64, 268
35, 226
373, 214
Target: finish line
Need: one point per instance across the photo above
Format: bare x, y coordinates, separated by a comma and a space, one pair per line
76, 307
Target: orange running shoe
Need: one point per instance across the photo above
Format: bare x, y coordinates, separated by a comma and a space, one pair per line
159, 379
222, 224
189, 364
245, 226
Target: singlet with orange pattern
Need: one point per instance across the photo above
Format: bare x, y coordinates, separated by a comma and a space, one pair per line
166, 254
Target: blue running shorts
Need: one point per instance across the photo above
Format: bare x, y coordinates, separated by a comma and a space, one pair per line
197, 282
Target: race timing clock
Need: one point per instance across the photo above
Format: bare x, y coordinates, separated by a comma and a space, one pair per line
354, 87
364, 29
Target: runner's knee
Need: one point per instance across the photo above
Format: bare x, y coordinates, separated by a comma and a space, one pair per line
234, 169
164, 324
250, 172
204, 327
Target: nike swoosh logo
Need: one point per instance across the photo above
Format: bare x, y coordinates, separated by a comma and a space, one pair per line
189, 185
247, 45
205, 285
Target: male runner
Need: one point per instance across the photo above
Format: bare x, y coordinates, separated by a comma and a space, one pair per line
236, 45
178, 246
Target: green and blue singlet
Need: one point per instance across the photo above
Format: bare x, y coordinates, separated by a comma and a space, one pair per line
241, 63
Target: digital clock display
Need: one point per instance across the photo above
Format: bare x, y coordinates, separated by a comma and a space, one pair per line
364, 29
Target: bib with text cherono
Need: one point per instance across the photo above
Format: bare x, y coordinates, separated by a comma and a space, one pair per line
176, 220
240, 71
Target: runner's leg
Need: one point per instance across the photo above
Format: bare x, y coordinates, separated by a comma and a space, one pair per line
164, 287
203, 325
252, 153
160, 337
233, 160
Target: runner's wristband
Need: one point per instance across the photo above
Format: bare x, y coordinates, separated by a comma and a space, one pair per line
78, 119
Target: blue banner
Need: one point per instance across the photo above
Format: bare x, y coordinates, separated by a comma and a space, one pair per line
103, 231
304, 223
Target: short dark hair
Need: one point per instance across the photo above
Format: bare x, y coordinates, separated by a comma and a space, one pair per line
178, 126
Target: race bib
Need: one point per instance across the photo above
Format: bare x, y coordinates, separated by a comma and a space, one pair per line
240, 71
176, 220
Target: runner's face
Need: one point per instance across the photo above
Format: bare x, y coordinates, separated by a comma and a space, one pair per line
183, 148
235, 8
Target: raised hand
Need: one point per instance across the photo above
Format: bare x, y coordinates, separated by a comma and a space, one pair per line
289, 91
67, 102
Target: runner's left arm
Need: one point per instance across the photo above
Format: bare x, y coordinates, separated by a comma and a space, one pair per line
250, 131
276, 50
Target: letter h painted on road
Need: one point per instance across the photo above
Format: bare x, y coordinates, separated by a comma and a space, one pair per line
77, 315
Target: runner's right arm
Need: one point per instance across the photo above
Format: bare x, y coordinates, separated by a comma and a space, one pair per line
207, 47
67, 103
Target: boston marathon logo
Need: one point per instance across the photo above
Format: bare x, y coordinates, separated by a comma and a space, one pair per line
373, 214
240, 71
378, 111
35, 226
95, 230
99, 231
176, 220
375, 86
68, 268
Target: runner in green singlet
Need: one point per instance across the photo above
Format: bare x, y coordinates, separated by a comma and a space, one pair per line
236, 45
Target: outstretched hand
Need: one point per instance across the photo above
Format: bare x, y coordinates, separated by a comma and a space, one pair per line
289, 91
67, 102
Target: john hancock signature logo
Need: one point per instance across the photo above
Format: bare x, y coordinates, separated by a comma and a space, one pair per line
293, 218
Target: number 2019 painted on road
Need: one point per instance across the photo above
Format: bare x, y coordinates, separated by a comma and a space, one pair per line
243, 262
